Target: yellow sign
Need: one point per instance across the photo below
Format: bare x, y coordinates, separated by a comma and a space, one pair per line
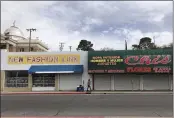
45, 59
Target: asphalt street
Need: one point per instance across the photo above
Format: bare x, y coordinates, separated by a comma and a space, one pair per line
153, 105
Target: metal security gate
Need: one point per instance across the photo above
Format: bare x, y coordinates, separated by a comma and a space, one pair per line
156, 82
102, 82
43, 82
126, 82
69, 81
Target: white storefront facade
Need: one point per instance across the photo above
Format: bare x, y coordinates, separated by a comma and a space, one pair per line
43, 71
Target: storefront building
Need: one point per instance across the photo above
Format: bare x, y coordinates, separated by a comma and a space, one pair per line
43, 71
131, 70
64, 71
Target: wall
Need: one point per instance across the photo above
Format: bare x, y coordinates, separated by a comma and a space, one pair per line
2, 79
6, 66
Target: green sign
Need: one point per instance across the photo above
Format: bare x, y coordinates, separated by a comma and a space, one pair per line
149, 61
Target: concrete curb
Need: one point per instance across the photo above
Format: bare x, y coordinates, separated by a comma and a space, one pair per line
14, 93
131, 92
87, 117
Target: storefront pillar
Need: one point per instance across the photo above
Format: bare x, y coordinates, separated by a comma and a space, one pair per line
30, 82
112, 82
141, 83
171, 82
57, 82
2, 80
7, 47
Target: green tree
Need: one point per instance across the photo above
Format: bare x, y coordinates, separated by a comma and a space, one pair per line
170, 45
144, 43
85, 45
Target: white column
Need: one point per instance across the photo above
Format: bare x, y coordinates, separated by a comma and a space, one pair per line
58, 78
141, 83
171, 82
112, 82
57, 82
7, 47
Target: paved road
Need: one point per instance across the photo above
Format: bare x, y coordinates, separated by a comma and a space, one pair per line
87, 105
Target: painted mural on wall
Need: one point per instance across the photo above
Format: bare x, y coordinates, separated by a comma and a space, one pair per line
44, 59
130, 62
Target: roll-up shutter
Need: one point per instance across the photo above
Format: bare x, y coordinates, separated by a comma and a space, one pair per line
102, 82
127, 82
156, 82
70, 81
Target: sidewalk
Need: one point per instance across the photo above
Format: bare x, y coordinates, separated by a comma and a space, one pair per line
92, 92
43, 92
130, 92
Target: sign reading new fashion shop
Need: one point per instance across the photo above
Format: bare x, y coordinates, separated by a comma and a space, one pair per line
44, 59
129, 62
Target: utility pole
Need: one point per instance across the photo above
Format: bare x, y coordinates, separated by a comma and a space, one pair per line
30, 30
61, 46
70, 47
154, 39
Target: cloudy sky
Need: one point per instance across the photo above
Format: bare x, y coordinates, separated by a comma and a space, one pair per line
104, 23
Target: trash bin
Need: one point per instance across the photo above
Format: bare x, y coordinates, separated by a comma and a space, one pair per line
80, 88
77, 88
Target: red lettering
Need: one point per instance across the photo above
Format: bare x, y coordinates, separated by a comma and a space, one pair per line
127, 60
145, 59
115, 71
154, 61
138, 69
96, 71
134, 60
129, 69
162, 70
165, 60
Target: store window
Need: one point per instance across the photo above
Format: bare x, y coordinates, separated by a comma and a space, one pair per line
16, 79
31, 49
44, 80
2, 46
21, 49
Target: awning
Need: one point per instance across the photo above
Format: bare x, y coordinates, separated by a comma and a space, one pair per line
56, 69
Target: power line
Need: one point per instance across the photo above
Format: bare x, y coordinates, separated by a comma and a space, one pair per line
30, 30
61, 46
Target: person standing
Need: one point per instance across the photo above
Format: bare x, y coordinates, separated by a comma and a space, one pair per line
89, 85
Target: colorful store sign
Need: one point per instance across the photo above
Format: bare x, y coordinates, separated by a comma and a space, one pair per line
148, 64
130, 62
44, 59
105, 62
